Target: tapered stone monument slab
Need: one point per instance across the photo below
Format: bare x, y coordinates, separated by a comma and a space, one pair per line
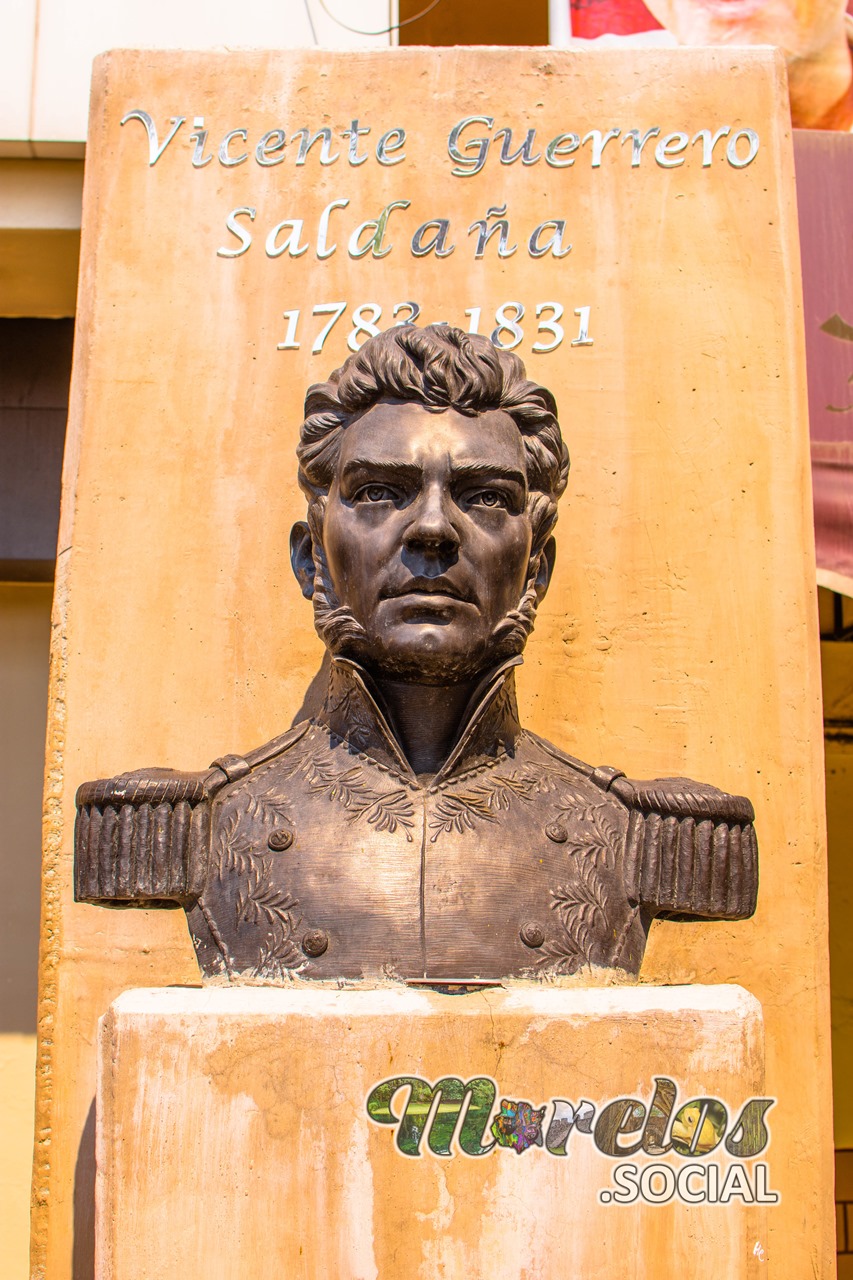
234, 1138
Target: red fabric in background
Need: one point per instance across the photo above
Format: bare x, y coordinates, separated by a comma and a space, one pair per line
824, 165
591, 18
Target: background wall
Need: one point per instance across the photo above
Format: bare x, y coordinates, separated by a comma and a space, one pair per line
48, 46
46, 54
680, 636
45, 61
24, 643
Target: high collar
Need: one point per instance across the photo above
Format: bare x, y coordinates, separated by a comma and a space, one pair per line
354, 711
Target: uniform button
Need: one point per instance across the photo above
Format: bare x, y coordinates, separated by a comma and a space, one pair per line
280, 839
315, 942
557, 832
532, 934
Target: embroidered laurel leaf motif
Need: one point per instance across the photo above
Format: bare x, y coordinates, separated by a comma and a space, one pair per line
234, 851
351, 709
391, 811
459, 810
593, 832
386, 810
504, 711
276, 958
582, 908
562, 955
259, 902
268, 806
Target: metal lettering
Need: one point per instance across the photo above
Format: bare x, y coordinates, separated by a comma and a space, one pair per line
242, 234
308, 142
354, 133
668, 150
385, 144
467, 165
523, 151
560, 148
599, 142
224, 157
583, 339
199, 159
379, 224
414, 312
708, 143
731, 149
270, 148
438, 244
555, 242
639, 143
291, 241
323, 250
549, 326
154, 149
486, 232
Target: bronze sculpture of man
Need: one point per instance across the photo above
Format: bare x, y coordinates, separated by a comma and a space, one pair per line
413, 829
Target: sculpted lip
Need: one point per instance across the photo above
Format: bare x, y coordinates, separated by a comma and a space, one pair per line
426, 586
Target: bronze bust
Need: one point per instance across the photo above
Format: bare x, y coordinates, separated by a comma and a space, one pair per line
413, 829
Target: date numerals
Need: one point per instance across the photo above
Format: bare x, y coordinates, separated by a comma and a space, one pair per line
506, 334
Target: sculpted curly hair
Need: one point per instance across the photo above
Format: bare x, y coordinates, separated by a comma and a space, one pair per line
440, 368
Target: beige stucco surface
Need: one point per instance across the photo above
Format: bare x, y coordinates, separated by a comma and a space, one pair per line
224, 1149
679, 635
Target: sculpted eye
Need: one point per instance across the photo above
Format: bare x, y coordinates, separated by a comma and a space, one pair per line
489, 498
375, 493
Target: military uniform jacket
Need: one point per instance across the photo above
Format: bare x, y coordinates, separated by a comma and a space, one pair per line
322, 853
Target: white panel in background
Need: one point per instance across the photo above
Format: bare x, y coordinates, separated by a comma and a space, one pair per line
71, 34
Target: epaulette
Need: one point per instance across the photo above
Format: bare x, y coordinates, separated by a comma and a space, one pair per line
144, 837
691, 849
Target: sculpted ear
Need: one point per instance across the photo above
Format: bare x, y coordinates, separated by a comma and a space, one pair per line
547, 556
302, 557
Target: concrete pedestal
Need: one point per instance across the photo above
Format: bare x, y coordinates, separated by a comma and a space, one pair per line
234, 1140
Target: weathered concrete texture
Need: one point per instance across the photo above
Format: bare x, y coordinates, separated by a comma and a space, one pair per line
233, 1138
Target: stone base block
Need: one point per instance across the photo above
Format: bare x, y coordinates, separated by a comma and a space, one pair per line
241, 1134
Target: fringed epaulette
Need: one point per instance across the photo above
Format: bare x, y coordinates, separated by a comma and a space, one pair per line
691, 849
144, 837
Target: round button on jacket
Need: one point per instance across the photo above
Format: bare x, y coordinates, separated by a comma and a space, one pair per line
557, 832
532, 934
315, 942
280, 839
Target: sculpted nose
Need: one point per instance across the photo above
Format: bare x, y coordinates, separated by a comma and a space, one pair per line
431, 527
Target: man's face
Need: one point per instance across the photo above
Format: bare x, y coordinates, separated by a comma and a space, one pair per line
428, 538
797, 26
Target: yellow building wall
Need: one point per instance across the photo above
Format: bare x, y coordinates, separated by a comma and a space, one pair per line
24, 641
837, 667
17, 1101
